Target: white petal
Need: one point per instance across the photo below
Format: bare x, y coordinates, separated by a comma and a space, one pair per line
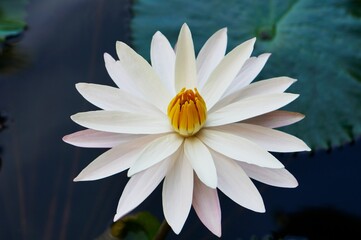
123, 122
156, 151
178, 193
225, 72
185, 63
140, 186
90, 138
274, 177
249, 71
110, 98
201, 160
210, 55
238, 148
264, 87
143, 77
234, 182
276, 119
115, 160
163, 60
249, 107
267, 138
206, 205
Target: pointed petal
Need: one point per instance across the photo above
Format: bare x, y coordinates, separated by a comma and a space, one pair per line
267, 138
201, 160
110, 98
274, 177
234, 182
178, 193
238, 148
123, 122
115, 160
276, 119
249, 71
225, 72
142, 76
163, 60
185, 63
156, 151
264, 87
206, 204
249, 107
210, 55
90, 138
140, 186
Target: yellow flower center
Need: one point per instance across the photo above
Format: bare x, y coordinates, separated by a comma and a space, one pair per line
187, 112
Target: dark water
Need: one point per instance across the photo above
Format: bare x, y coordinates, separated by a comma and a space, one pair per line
64, 45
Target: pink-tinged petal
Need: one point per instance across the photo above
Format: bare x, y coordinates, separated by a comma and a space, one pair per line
156, 151
124, 122
115, 160
185, 62
206, 205
276, 119
210, 55
249, 71
249, 107
141, 185
113, 99
274, 177
264, 87
235, 183
267, 138
178, 193
142, 76
238, 148
201, 160
225, 72
162, 57
90, 138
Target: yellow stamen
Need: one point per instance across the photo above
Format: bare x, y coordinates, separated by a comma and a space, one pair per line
187, 112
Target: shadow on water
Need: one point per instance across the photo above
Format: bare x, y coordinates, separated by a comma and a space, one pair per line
64, 45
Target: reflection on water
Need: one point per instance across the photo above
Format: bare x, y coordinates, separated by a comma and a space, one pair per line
38, 199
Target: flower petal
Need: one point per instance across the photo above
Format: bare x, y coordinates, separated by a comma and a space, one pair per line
115, 160
276, 119
142, 76
249, 107
110, 98
156, 151
235, 183
249, 71
238, 148
178, 193
163, 60
210, 55
264, 87
90, 138
141, 185
201, 160
267, 138
225, 72
206, 204
185, 62
274, 177
123, 122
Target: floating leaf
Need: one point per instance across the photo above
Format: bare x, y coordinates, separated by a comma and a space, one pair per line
12, 14
316, 42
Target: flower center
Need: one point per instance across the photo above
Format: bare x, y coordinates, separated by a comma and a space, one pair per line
187, 112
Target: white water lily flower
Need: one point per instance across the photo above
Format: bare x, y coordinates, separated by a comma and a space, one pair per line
197, 123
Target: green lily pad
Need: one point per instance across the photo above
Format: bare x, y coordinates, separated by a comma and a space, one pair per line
317, 42
12, 18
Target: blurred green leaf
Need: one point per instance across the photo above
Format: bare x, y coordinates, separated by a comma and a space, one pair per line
12, 18
317, 42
